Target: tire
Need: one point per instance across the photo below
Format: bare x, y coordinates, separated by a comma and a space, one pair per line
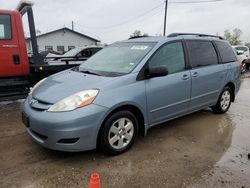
224, 101
118, 133
247, 66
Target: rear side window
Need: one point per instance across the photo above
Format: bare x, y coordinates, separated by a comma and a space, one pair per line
202, 53
5, 27
226, 52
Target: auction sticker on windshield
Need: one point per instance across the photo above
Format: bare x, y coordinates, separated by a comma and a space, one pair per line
139, 47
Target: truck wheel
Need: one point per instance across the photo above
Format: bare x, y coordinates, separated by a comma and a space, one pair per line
224, 101
118, 133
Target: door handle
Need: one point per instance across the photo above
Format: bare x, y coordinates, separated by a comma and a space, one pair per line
195, 74
185, 77
16, 59
9, 45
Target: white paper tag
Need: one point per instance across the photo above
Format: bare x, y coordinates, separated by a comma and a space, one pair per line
139, 47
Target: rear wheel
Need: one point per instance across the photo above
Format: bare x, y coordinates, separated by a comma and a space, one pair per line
118, 133
224, 101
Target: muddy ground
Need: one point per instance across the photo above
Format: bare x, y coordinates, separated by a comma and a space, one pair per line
198, 150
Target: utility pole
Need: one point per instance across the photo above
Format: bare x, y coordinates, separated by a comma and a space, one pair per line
72, 25
165, 17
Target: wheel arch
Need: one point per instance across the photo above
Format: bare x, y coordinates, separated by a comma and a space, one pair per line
231, 85
129, 107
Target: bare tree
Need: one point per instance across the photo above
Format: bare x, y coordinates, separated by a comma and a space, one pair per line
138, 33
233, 37
247, 44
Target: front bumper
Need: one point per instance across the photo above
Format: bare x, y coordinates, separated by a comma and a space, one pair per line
75, 130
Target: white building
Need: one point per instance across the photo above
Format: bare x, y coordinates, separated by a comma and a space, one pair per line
62, 40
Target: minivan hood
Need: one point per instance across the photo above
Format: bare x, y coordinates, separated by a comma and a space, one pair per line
67, 83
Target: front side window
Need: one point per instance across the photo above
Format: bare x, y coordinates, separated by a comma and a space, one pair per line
120, 58
5, 27
202, 53
171, 56
85, 53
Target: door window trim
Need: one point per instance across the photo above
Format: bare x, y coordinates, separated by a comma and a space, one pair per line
11, 31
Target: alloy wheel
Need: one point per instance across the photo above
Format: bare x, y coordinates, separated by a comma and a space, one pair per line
121, 133
225, 100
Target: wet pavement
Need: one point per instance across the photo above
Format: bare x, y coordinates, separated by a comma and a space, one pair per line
198, 150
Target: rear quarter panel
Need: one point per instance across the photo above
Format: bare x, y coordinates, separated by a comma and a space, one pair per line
233, 74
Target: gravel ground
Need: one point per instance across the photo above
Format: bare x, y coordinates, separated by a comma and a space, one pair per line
198, 150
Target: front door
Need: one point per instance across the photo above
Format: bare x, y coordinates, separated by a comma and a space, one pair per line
9, 48
168, 96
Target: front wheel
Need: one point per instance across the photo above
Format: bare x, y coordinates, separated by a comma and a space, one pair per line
224, 101
118, 133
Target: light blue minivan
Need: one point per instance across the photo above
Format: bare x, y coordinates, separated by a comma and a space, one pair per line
128, 87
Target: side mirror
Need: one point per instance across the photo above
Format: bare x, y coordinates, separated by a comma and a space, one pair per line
156, 71
240, 52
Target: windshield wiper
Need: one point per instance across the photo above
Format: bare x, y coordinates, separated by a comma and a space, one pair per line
89, 72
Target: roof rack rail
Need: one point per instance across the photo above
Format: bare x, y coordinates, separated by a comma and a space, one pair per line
196, 34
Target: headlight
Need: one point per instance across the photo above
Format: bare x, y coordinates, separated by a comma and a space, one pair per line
77, 100
36, 85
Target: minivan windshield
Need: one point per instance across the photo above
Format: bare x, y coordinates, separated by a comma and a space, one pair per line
117, 59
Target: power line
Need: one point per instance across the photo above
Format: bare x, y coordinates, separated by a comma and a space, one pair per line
140, 20
193, 2
182, 2
140, 16
132, 22
129, 20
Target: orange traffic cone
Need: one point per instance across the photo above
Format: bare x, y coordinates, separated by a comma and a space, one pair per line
95, 181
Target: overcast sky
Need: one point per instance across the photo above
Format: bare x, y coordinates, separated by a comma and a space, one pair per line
112, 20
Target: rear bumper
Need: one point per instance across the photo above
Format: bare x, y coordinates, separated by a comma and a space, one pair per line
65, 131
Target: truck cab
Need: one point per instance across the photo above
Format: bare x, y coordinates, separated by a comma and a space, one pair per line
13, 51
17, 73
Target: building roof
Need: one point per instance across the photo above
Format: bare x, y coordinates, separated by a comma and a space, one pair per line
65, 29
